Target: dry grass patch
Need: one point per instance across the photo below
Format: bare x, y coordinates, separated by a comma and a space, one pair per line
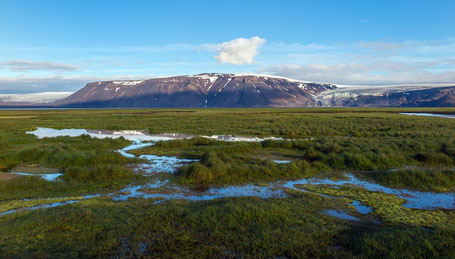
7, 176
36, 169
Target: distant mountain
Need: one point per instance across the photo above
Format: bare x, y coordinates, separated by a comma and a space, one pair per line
203, 90
35, 99
238, 90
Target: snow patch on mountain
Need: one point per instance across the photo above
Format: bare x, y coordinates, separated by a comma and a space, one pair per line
128, 82
267, 77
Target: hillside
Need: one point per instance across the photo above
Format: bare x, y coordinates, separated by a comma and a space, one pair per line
203, 90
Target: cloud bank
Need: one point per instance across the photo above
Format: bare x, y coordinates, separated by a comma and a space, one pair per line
239, 51
365, 63
38, 84
27, 65
362, 74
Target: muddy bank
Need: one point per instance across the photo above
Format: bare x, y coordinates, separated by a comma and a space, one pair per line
7, 176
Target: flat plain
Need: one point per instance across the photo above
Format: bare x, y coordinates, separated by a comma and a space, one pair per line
331, 183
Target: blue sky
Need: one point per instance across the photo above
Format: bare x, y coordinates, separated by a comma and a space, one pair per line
62, 45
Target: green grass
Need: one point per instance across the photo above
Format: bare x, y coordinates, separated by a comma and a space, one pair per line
220, 168
18, 204
368, 142
323, 140
34, 187
230, 227
89, 165
243, 227
298, 123
239, 163
425, 179
389, 209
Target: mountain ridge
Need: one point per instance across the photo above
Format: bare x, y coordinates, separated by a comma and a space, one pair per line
208, 90
199, 91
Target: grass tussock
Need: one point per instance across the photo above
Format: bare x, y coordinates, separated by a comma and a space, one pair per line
238, 163
219, 168
418, 178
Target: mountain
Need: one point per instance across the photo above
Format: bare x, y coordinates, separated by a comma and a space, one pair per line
35, 99
203, 90
237, 90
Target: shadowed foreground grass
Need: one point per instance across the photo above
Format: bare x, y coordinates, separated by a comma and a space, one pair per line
245, 227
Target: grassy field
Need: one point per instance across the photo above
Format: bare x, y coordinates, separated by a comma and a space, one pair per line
380, 145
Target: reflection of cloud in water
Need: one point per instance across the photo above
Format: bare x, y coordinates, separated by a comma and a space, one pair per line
48, 177
162, 164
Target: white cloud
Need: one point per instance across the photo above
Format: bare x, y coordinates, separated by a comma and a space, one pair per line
377, 73
239, 51
38, 84
27, 65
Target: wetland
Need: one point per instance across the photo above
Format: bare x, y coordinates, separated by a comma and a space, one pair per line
249, 183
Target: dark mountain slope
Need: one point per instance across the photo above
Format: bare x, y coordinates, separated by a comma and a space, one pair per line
204, 90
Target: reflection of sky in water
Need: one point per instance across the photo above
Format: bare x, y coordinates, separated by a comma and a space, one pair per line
162, 164
52, 133
362, 209
49, 205
448, 116
281, 161
340, 215
414, 199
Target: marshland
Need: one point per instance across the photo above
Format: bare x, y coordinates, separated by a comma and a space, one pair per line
323, 182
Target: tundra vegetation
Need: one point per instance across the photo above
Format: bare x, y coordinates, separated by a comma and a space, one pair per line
378, 145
